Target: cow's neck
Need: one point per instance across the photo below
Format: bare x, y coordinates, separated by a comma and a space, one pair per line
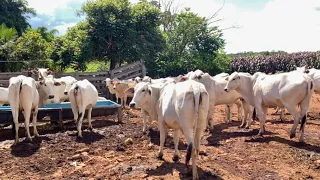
43, 96
247, 90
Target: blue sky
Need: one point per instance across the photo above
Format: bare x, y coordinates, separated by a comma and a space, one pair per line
289, 25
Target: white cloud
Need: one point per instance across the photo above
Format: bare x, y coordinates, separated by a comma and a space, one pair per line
289, 25
48, 6
63, 28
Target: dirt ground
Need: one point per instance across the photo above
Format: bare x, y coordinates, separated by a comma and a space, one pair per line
122, 151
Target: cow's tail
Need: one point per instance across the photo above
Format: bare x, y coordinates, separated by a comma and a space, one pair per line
78, 99
306, 102
14, 101
198, 102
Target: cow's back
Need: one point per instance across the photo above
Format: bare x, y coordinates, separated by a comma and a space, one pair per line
89, 92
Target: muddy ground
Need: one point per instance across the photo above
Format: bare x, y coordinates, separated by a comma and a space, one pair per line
107, 152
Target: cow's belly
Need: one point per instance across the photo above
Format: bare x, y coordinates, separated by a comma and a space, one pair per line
171, 119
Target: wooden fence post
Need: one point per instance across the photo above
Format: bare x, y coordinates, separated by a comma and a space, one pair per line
143, 70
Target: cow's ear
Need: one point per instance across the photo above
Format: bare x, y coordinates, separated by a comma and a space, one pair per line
307, 71
49, 72
238, 77
149, 90
227, 78
41, 81
56, 83
183, 78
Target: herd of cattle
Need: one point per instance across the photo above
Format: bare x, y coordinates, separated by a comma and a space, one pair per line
184, 103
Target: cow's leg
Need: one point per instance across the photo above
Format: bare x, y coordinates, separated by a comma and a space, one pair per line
240, 109
262, 114
144, 118
89, 118
228, 113
176, 155
15, 112
282, 114
150, 122
248, 111
162, 130
125, 100
210, 117
79, 125
34, 122
27, 113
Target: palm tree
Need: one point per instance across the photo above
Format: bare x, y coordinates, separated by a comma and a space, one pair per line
7, 34
48, 36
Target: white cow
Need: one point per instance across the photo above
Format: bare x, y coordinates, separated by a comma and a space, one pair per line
61, 91
314, 74
142, 100
45, 87
40, 72
215, 87
82, 95
183, 107
284, 90
4, 92
24, 96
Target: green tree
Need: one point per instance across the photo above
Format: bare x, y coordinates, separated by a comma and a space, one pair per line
192, 44
31, 48
122, 32
15, 14
47, 35
73, 48
7, 37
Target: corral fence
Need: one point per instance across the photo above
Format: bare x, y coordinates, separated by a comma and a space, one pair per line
96, 78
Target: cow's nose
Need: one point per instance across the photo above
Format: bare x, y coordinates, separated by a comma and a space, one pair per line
131, 105
225, 89
51, 96
66, 93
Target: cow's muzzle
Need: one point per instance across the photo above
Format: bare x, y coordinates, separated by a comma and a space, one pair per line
51, 96
66, 93
132, 105
225, 89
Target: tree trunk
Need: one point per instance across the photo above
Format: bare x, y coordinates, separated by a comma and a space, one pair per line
112, 64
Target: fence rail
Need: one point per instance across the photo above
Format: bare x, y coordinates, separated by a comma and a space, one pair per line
96, 78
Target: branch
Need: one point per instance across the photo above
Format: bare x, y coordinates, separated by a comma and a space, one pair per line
216, 13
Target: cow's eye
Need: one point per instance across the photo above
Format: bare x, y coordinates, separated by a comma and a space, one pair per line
143, 90
233, 79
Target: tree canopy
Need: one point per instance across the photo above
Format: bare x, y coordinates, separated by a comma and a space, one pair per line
169, 41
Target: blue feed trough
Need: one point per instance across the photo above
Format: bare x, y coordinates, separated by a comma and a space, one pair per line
60, 111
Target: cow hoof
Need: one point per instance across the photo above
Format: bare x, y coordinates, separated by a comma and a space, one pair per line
160, 156
292, 135
90, 129
175, 158
241, 126
247, 127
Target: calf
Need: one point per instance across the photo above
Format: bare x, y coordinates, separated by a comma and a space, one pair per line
284, 90
123, 90
183, 107
4, 92
82, 95
109, 85
23, 96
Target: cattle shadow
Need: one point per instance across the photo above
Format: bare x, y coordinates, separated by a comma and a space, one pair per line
219, 135
168, 167
155, 139
88, 137
26, 148
304, 146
